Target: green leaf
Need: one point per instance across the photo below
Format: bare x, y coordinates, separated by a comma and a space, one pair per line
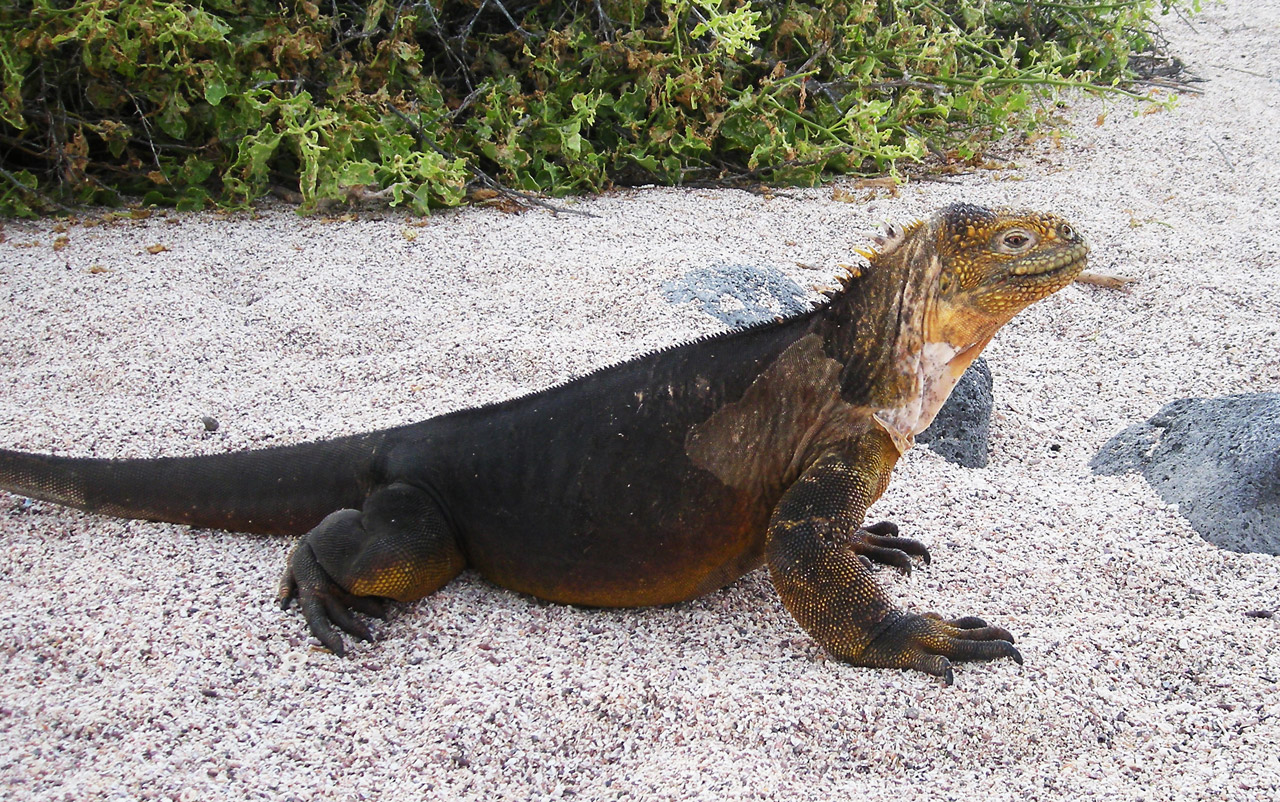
192, 199
215, 89
173, 116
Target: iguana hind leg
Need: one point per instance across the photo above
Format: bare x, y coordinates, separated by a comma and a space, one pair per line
817, 557
400, 546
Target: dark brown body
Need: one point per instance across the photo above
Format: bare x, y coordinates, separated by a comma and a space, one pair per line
583, 493
600, 503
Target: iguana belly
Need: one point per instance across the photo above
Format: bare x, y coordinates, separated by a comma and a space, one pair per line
621, 557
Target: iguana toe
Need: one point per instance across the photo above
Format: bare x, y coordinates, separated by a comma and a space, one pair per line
883, 528
324, 603
930, 644
881, 543
973, 628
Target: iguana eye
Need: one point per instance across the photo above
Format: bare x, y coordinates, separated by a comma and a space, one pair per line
1066, 232
1015, 241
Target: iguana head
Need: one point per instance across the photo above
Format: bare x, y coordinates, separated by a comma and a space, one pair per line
993, 264
954, 279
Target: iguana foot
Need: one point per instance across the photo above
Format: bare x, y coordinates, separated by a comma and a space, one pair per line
399, 546
881, 543
324, 603
929, 643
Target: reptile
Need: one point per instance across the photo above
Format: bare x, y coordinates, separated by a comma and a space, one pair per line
652, 481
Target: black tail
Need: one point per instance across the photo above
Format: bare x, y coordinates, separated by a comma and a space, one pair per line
284, 490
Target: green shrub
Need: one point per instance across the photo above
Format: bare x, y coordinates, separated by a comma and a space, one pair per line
419, 102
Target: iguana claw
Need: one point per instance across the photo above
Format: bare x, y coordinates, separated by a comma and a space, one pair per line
881, 543
324, 603
930, 643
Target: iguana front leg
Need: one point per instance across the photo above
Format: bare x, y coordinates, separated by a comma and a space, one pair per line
399, 546
818, 559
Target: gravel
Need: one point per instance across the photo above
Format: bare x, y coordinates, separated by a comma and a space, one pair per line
149, 661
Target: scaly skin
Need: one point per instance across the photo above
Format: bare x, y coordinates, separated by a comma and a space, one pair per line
653, 481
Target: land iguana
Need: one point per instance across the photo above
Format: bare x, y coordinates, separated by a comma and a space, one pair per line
652, 481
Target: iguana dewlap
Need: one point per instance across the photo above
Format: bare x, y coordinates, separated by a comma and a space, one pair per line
652, 481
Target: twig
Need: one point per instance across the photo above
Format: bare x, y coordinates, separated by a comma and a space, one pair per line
463, 69
765, 191
520, 30
484, 4
1241, 70
909, 83
146, 126
606, 24
466, 101
465, 34
354, 37
523, 197
1177, 86
1223, 153
1108, 280
825, 88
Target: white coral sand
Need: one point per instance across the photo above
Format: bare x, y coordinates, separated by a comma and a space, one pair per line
142, 661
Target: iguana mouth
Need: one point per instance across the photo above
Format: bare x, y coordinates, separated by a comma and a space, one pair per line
1063, 261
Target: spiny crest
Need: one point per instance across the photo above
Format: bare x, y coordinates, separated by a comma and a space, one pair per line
888, 239
891, 235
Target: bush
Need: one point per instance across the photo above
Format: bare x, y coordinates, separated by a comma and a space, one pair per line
419, 103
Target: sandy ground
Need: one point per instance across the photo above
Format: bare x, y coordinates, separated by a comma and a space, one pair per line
144, 661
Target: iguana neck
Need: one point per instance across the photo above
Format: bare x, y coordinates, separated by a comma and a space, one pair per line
876, 326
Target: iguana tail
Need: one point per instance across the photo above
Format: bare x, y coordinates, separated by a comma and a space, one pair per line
285, 490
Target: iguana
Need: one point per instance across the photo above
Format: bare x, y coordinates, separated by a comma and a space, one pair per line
653, 481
